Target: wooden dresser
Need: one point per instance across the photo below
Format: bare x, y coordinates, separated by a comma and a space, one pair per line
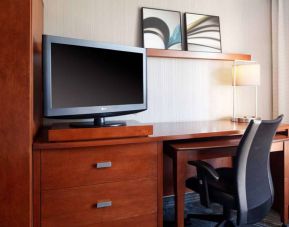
97, 183
119, 182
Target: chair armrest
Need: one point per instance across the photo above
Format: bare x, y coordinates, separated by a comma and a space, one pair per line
206, 167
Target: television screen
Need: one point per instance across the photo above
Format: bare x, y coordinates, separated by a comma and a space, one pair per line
84, 76
87, 79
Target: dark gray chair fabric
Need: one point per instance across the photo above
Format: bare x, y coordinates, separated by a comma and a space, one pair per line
247, 187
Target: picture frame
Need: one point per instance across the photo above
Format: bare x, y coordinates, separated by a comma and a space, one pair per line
161, 29
202, 33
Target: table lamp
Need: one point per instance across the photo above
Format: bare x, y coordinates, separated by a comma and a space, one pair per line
245, 73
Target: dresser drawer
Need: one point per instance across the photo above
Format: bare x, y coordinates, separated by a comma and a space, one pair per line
96, 165
78, 206
149, 220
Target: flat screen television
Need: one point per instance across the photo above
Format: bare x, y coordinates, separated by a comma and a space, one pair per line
87, 79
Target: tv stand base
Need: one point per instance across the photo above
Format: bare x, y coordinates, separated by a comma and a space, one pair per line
64, 132
97, 123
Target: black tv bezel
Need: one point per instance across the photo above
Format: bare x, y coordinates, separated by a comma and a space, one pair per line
91, 111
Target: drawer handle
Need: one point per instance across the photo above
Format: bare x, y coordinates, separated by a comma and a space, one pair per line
101, 165
103, 204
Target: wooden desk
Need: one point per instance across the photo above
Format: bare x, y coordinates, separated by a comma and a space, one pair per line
182, 152
163, 133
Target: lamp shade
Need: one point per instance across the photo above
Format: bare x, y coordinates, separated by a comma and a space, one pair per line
246, 75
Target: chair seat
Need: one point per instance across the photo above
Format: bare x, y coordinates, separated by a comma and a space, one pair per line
222, 191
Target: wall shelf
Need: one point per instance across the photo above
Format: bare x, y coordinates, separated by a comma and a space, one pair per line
158, 53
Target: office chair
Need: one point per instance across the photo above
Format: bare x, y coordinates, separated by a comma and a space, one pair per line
246, 188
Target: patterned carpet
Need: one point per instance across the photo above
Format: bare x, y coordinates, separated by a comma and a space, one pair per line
193, 206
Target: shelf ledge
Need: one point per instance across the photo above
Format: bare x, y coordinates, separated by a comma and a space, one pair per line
158, 53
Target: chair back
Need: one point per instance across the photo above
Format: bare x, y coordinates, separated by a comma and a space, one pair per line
254, 183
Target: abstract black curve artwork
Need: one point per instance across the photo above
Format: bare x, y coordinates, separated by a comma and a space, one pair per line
203, 33
161, 29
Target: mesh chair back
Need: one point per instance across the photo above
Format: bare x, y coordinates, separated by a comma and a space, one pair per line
254, 183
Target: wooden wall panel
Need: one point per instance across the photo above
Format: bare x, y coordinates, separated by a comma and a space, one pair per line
15, 114
16, 111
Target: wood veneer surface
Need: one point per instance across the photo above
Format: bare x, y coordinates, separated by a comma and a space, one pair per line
168, 132
196, 55
76, 167
76, 206
59, 132
162, 132
21, 29
216, 143
15, 113
139, 221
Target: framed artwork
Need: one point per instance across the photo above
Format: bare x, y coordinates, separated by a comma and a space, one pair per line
161, 29
203, 33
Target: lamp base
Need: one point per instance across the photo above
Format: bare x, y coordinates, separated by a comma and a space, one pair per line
245, 119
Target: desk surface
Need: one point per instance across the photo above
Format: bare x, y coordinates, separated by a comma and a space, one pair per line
215, 143
201, 129
218, 141
164, 132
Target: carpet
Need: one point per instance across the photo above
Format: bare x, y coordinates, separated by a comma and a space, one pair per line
192, 205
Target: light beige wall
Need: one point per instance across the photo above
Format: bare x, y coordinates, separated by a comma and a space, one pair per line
178, 90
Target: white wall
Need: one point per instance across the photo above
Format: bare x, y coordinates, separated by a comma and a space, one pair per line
178, 90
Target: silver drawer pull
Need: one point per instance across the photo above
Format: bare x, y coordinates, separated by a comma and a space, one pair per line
101, 165
104, 204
